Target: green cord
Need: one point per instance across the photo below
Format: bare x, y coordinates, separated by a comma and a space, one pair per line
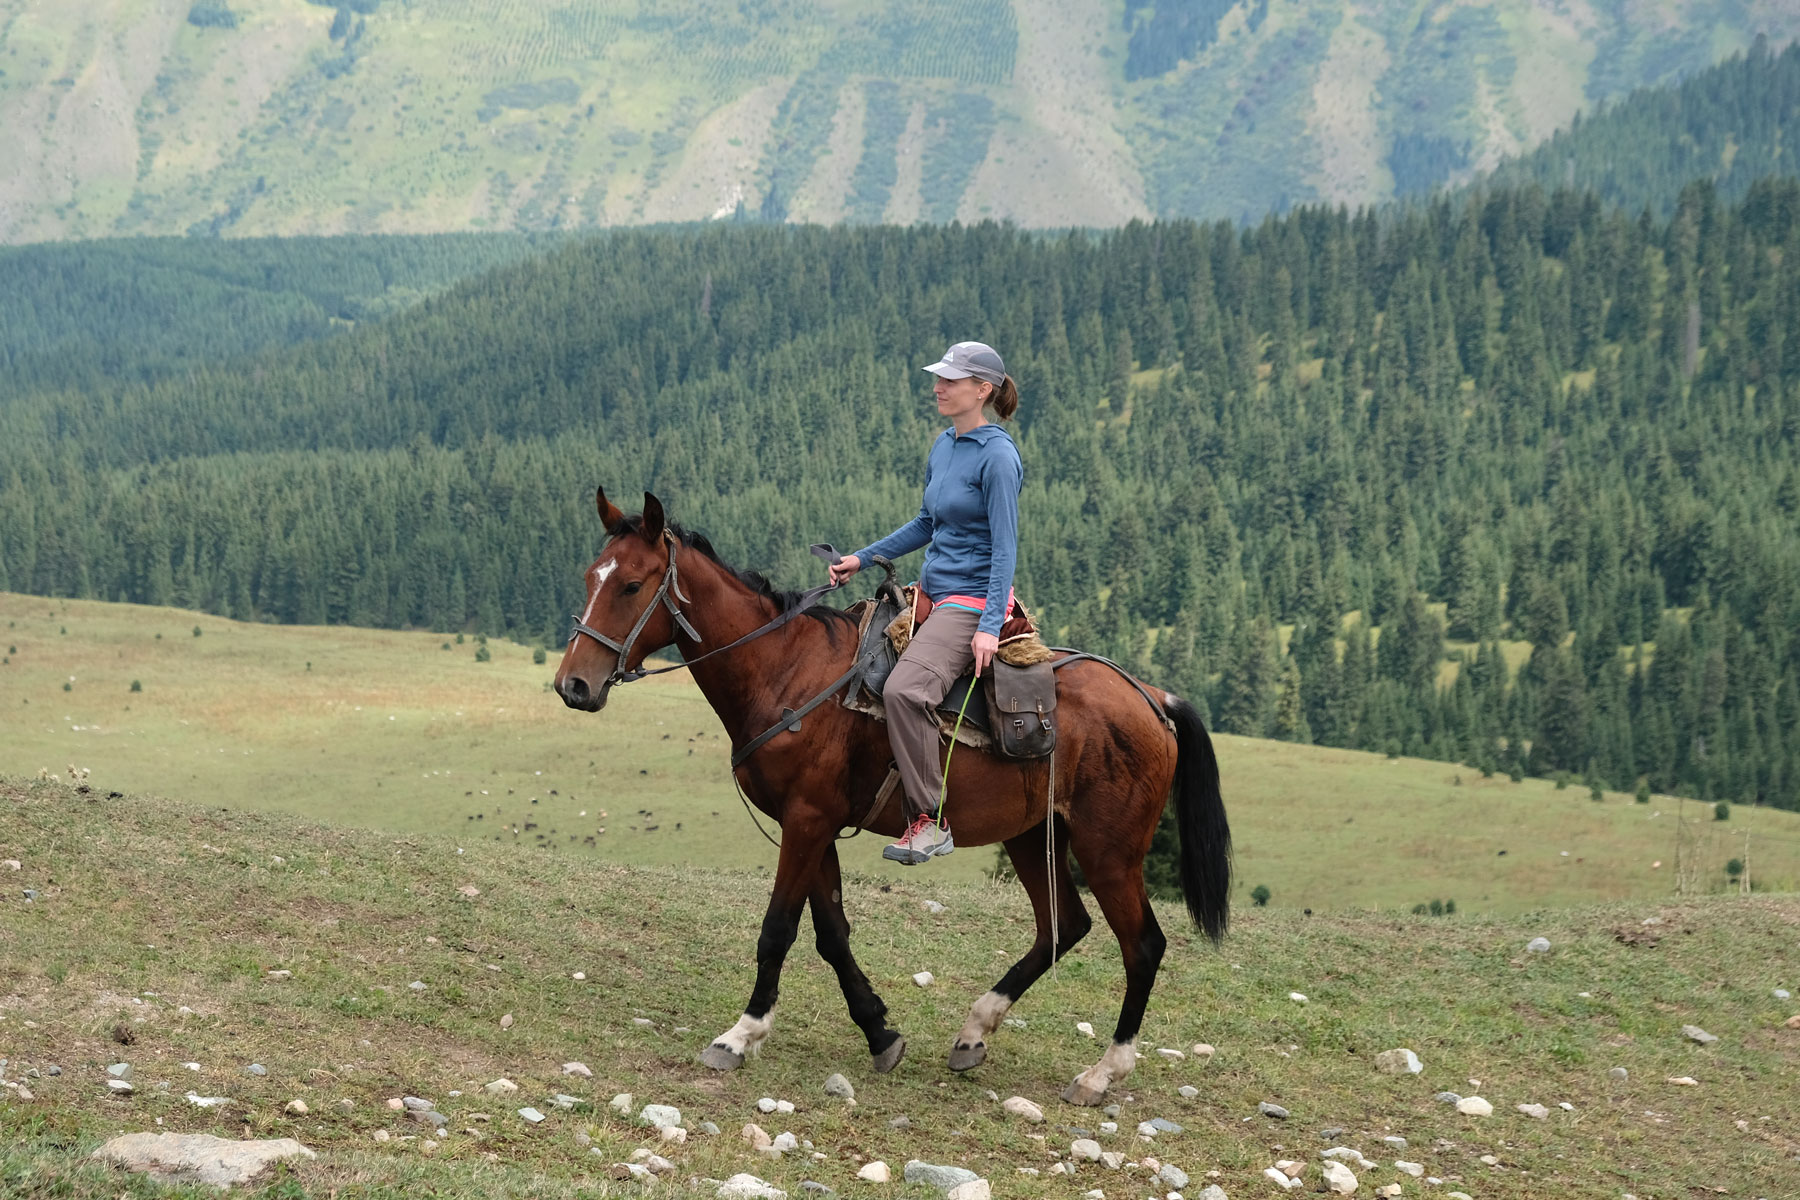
944, 785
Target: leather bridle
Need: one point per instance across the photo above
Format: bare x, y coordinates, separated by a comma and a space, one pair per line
667, 594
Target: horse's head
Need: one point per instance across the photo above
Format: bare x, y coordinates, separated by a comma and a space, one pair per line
631, 612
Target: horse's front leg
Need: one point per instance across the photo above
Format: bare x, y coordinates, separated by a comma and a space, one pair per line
802, 844
832, 931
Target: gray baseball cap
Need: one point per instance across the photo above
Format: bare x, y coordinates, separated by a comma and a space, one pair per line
970, 358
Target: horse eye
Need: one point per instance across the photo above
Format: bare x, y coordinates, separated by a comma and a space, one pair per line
631, 589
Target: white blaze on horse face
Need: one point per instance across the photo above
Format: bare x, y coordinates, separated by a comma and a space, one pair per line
601, 573
984, 1018
746, 1037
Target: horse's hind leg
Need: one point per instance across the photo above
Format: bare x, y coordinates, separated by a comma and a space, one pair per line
1116, 877
832, 931
1072, 924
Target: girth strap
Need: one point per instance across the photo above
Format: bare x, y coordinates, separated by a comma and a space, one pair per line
791, 717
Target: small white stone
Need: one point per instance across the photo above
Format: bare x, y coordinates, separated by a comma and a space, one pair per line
1684, 1081
531, 1114
674, 1134
579, 976
974, 1189
1474, 1106
1339, 1178
875, 1172
577, 1068
766, 1104
785, 1142
1694, 1033
1538, 945
417, 985
1187, 1091
1534, 1110
501, 1087
1411, 1168
1281, 1178
1398, 1062
1083, 1028
1202, 1050
622, 1103
784, 1106
924, 979
382, 1135
1565, 1106
1085, 1148
1171, 1055
121, 1086
506, 1022
1019, 1106
297, 1107
1297, 997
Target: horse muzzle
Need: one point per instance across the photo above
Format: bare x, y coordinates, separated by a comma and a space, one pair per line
576, 693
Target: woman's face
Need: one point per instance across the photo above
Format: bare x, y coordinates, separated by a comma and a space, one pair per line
961, 397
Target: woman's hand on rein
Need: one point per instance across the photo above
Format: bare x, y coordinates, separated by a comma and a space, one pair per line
844, 568
983, 646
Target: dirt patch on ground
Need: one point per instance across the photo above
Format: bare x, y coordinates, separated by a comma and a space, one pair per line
718, 167
821, 198
1068, 165
1345, 120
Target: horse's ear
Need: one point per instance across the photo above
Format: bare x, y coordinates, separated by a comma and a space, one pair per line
654, 520
610, 516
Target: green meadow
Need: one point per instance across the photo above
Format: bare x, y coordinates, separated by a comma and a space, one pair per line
392, 731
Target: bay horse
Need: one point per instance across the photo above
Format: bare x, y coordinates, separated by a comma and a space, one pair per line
755, 652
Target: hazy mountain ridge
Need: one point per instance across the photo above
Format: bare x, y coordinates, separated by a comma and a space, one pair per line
246, 117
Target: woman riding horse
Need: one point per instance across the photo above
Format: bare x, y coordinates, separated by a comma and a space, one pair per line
969, 521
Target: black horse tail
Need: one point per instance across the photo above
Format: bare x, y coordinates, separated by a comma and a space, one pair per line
1200, 817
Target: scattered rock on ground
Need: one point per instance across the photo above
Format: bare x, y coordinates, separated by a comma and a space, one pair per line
1396, 1141
1534, 1110
1202, 1050
1684, 1081
1280, 1178
1619, 1073
659, 1114
1019, 1106
749, 1187
1793, 1022
924, 979
257, 1069
119, 1070
875, 1172
122, 1087
840, 1087
1187, 1091
1171, 1055
1173, 1175
757, 1136
1538, 945
1694, 1033
1398, 1062
199, 1101
1339, 1178
1414, 1169
501, 1087
577, 1068
900, 1122
975, 1189
1162, 1125
297, 1107
1084, 1028
531, 1114
1297, 997
1447, 1098
709, 1129
1085, 1148
1211, 1191
785, 1141
943, 1178
931, 906
198, 1157
1474, 1106
1272, 1110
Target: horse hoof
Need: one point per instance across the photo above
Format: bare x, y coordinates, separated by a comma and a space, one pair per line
888, 1059
967, 1058
1080, 1094
721, 1057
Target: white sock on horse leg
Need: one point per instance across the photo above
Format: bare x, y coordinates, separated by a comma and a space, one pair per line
746, 1037
984, 1018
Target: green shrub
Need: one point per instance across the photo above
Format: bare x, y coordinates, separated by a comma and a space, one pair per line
482, 653
1437, 908
196, 631
1562, 780
537, 656
67, 686
212, 14
1734, 868
1260, 895
1722, 811
137, 685
1643, 791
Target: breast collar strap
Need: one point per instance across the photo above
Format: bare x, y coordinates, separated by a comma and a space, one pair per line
667, 593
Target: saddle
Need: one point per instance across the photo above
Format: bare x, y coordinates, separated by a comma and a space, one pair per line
1010, 714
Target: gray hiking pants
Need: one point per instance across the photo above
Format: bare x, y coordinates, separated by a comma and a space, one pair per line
938, 653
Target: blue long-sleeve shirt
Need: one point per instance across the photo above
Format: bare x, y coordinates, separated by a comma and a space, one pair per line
969, 519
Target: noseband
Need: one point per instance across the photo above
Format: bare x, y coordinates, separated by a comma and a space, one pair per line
667, 593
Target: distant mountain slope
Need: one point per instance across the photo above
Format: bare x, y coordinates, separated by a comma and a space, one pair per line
248, 117
138, 309
1734, 124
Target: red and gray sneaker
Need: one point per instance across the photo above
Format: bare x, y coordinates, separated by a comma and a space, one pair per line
924, 839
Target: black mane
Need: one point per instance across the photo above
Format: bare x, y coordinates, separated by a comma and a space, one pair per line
756, 581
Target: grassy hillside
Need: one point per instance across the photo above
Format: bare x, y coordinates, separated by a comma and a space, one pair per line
278, 116
156, 925
388, 730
